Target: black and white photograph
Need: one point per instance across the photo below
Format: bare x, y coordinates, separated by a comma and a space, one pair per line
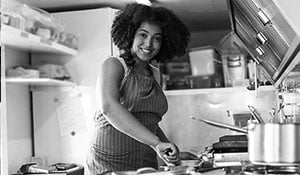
150, 87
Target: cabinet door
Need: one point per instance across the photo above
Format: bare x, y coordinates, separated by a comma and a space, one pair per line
92, 27
267, 32
3, 118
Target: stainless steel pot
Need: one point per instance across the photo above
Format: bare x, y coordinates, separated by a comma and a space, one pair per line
269, 143
274, 143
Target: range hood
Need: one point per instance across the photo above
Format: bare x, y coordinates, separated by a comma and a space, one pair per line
269, 30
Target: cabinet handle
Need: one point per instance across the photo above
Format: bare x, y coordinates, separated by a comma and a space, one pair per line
262, 38
257, 60
259, 50
263, 17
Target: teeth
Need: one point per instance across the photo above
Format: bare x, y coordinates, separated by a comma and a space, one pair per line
146, 51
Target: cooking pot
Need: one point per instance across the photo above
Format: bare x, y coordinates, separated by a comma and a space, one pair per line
274, 144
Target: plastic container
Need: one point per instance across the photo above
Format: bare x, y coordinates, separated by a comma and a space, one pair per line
203, 60
237, 67
235, 70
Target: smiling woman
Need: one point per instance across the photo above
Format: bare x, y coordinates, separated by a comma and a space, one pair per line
127, 135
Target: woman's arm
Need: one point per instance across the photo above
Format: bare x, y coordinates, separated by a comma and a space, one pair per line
161, 135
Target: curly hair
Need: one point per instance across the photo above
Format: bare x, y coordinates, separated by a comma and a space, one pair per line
175, 34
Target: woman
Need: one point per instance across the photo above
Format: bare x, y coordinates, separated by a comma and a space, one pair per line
127, 135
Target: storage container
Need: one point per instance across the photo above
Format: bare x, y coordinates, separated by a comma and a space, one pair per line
235, 70
203, 60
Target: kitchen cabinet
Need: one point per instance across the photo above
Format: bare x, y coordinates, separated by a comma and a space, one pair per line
270, 32
17, 48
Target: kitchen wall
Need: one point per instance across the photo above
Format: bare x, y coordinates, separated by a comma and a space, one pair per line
194, 136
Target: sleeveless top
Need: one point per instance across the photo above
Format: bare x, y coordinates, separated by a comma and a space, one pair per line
112, 150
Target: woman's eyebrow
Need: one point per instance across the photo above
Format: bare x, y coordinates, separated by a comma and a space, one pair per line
144, 30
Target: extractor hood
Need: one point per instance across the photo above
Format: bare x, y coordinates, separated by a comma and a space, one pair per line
269, 30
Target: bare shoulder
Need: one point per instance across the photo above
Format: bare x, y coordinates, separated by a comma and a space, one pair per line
112, 61
112, 67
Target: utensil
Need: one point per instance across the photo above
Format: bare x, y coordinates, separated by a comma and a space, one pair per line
272, 114
280, 113
255, 114
221, 125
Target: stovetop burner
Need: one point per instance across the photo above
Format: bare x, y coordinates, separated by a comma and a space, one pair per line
273, 170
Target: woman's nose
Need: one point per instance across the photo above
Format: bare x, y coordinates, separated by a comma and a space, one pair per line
148, 42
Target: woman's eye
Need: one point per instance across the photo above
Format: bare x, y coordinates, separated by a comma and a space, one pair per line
143, 35
158, 38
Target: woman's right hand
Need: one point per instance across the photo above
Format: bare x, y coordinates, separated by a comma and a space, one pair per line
168, 152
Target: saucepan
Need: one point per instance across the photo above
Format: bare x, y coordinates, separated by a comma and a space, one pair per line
276, 144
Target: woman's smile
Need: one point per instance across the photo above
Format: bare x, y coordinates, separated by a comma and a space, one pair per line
146, 51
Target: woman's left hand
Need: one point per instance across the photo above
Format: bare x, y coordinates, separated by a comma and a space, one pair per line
172, 159
169, 153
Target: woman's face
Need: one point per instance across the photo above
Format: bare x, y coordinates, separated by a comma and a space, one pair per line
147, 41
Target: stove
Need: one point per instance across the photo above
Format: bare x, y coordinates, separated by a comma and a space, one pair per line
230, 155
267, 169
249, 169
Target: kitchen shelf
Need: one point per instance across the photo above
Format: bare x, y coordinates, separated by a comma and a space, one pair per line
39, 82
213, 90
23, 40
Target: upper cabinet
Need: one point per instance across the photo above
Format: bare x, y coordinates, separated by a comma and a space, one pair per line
269, 31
